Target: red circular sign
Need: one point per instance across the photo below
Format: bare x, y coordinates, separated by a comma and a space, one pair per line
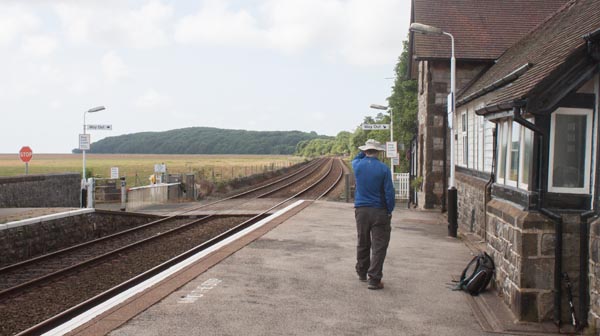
25, 154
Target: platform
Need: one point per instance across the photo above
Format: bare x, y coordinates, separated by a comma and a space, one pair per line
295, 276
299, 279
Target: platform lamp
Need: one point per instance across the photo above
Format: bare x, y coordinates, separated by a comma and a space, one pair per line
83, 180
452, 192
386, 108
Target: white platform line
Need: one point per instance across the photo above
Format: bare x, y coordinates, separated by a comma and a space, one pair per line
120, 298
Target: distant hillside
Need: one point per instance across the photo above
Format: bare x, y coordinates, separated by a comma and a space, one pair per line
204, 140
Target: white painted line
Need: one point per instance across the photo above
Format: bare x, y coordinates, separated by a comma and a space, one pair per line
113, 302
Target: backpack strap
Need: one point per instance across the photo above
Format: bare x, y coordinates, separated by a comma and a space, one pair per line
463, 276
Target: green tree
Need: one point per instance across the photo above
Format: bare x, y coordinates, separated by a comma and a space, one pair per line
403, 103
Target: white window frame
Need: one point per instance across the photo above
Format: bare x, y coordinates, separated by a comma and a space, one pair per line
588, 143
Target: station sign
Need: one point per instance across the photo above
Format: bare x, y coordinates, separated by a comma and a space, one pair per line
99, 127
391, 149
84, 141
371, 127
114, 172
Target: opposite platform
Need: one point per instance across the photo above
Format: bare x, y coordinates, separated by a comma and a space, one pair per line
299, 279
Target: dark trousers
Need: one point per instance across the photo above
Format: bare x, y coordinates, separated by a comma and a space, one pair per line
373, 229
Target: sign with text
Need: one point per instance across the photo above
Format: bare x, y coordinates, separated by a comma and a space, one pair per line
84, 141
391, 149
160, 168
370, 127
25, 154
114, 172
100, 127
396, 161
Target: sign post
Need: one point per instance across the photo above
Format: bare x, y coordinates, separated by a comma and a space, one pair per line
25, 154
371, 127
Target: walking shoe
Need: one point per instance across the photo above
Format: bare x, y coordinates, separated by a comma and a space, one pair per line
362, 277
375, 285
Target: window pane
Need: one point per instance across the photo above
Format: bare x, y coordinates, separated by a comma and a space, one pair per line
569, 151
526, 155
502, 139
513, 172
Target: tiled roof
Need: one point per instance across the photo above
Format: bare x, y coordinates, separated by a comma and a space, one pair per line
482, 29
545, 49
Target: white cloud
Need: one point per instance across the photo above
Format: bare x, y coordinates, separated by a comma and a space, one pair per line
39, 45
14, 21
152, 100
359, 32
113, 24
113, 67
216, 24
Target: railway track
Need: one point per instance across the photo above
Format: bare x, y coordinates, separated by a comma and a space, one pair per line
41, 293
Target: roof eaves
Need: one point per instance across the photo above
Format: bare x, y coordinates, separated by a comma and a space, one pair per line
496, 84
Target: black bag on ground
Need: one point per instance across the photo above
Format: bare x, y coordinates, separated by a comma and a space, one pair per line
483, 270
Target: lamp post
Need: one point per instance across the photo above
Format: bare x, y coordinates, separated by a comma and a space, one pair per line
452, 192
83, 180
381, 107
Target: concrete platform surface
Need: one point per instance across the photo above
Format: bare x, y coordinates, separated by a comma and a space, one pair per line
299, 279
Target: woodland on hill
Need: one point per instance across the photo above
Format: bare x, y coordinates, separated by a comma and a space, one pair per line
204, 140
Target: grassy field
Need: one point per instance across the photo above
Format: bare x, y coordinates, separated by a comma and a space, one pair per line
137, 168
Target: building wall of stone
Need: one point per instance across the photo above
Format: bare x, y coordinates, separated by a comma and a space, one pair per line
471, 203
594, 274
433, 88
522, 244
40, 191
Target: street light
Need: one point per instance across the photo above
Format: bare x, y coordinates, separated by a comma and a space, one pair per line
83, 180
381, 107
452, 192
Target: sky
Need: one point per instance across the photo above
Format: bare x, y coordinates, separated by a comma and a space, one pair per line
157, 65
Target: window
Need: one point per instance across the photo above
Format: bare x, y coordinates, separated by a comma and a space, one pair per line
514, 149
512, 161
570, 151
526, 147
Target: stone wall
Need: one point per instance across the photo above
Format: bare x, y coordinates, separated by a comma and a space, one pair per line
40, 191
27, 241
471, 203
522, 244
594, 275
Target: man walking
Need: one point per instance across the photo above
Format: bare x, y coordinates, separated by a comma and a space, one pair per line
373, 206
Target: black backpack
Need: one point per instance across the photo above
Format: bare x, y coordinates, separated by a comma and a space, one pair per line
480, 277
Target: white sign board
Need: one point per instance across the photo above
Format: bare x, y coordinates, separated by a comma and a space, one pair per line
391, 149
370, 127
160, 168
84, 141
396, 161
114, 172
100, 127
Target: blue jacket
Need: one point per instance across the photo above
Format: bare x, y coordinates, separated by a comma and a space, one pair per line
374, 186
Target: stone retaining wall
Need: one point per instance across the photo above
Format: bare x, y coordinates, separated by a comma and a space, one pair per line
40, 191
27, 241
594, 277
